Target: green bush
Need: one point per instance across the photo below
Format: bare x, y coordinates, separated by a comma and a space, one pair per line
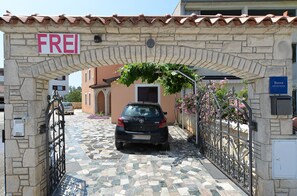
74, 94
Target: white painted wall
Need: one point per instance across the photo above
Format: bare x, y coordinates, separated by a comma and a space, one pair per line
59, 82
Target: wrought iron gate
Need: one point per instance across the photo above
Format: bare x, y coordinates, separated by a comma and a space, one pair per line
55, 124
225, 133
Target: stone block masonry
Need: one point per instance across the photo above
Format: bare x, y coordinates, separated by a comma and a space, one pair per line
251, 52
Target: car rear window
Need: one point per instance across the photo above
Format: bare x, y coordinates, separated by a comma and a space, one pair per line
142, 110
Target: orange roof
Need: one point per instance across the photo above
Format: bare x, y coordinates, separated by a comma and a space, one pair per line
180, 20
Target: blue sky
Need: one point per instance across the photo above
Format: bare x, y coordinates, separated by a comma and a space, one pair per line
85, 7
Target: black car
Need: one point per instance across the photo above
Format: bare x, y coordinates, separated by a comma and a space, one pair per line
142, 123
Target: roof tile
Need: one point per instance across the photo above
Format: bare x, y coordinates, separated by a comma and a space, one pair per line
194, 19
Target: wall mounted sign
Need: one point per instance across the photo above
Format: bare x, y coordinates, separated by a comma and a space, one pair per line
278, 85
58, 43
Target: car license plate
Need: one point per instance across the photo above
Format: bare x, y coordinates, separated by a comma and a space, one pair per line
142, 137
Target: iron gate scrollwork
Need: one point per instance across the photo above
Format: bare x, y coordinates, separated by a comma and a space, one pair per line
55, 126
225, 133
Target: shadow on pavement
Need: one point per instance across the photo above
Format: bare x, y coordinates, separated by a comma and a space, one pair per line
140, 148
71, 186
180, 149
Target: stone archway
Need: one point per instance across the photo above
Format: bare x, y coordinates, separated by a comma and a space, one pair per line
252, 48
101, 102
242, 67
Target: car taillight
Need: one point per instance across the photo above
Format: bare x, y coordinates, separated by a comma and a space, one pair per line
120, 122
163, 123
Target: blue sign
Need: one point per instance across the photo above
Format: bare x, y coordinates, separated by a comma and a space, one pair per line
278, 85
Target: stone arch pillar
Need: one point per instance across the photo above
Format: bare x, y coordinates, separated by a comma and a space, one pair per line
271, 127
107, 102
96, 92
25, 98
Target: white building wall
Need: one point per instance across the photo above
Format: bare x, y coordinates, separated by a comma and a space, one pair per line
178, 9
59, 83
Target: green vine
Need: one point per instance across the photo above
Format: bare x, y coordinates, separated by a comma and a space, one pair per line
160, 73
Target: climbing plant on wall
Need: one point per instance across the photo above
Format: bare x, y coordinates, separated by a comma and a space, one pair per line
160, 73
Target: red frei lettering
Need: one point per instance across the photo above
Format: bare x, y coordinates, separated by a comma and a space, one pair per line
54, 43
40, 41
68, 43
76, 44
54, 40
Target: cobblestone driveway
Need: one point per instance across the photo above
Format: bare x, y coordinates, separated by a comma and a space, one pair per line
138, 169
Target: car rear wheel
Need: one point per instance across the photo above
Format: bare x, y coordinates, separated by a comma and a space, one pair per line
119, 145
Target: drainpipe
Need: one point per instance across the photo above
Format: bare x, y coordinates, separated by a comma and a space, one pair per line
195, 93
95, 93
196, 114
95, 76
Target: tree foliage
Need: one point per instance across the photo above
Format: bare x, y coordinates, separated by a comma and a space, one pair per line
74, 94
160, 73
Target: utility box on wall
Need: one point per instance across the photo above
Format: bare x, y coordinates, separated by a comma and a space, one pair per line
281, 105
18, 129
284, 159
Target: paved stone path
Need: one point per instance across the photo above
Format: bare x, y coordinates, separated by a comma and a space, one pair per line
138, 169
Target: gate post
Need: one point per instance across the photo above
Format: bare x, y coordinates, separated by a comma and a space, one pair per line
24, 148
270, 127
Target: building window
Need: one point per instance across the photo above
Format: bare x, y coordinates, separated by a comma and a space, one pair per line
89, 98
86, 99
147, 93
62, 78
86, 76
59, 87
277, 12
89, 74
223, 12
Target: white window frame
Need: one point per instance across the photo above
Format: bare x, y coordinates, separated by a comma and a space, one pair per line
148, 85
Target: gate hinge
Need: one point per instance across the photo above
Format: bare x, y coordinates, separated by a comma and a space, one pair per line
42, 128
3, 135
254, 126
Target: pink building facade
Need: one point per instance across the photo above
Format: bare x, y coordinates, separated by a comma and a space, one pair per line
102, 94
